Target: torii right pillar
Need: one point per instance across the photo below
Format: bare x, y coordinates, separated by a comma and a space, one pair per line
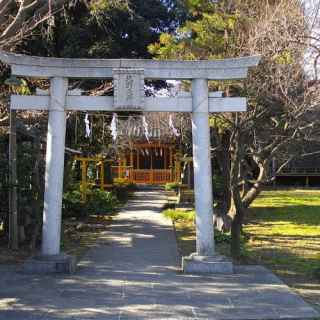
204, 260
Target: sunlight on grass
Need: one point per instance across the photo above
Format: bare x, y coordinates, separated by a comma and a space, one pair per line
284, 230
184, 223
185, 229
180, 215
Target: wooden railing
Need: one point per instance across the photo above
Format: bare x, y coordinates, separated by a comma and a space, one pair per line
143, 176
151, 176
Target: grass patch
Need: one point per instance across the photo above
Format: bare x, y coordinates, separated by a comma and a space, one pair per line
284, 231
180, 215
184, 223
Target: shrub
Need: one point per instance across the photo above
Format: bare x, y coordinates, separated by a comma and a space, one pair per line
122, 187
172, 186
72, 205
222, 237
98, 202
124, 183
121, 181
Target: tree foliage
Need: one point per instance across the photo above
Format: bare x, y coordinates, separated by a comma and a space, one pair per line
105, 29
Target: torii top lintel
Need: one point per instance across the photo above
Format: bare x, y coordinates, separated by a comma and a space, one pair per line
44, 67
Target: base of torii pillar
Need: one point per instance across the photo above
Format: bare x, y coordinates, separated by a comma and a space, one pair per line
207, 264
42, 264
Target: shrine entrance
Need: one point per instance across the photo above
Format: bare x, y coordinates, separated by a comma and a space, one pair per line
128, 78
152, 163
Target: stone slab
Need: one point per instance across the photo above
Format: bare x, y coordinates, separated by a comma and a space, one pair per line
62, 263
200, 264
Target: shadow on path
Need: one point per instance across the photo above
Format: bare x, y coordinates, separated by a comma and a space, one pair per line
133, 273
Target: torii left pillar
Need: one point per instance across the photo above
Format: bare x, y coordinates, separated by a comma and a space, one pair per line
51, 259
51, 230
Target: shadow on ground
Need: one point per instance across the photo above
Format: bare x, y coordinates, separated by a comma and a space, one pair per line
134, 273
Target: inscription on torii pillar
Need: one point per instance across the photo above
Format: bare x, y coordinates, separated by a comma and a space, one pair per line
128, 88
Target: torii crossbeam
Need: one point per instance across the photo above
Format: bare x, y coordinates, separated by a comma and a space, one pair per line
129, 77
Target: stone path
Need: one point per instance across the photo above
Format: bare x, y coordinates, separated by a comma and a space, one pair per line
133, 273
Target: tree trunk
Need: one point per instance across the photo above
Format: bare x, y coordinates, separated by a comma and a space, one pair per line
240, 205
236, 227
225, 172
255, 190
223, 222
236, 212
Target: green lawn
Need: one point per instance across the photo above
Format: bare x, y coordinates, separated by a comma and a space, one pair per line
283, 232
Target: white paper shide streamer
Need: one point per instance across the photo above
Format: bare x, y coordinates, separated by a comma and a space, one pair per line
172, 127
146, 128
113, 127
87, 123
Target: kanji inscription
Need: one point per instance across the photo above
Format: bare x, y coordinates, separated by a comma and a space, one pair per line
128, 89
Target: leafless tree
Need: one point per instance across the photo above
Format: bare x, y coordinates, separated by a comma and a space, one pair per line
19, 18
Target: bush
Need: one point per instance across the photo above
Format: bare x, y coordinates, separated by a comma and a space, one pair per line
72, 205
122, 187
98, 202
172, 186
121, 181
222, 237
124, 183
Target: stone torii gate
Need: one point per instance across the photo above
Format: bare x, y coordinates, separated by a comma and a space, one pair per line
129, 77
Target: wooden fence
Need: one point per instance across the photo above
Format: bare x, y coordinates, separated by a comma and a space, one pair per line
143, 176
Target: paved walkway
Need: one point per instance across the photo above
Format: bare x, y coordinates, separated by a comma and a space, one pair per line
133, 274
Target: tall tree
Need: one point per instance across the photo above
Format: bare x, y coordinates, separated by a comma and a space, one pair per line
106, 29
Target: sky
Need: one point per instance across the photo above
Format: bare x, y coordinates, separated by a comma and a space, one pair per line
312, 8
